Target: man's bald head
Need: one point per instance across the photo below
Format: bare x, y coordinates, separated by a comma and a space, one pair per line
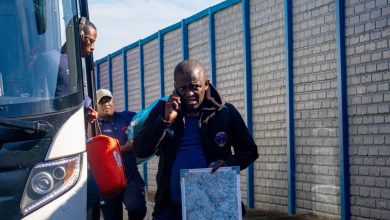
191, 83
190, 66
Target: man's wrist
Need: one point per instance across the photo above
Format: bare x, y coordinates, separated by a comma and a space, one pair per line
166, 122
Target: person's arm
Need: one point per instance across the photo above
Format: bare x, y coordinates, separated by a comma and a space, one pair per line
127, 147
147, 140
245, 149
90, 116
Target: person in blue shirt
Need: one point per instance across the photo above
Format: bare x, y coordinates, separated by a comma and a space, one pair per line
194, 128
114, 124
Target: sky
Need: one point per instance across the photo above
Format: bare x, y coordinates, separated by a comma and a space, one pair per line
123, 22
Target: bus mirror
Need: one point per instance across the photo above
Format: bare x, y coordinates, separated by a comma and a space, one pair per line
40, 15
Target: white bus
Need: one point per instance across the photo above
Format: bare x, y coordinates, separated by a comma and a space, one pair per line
43, 165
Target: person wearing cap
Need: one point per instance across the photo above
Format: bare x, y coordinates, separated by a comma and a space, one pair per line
114, 124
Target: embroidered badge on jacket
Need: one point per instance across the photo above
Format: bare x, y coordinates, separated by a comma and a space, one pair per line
170, 132
221, 138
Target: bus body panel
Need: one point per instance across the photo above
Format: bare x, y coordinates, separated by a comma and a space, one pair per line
42, 124
70, 138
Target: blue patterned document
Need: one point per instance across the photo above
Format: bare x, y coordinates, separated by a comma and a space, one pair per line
214, 196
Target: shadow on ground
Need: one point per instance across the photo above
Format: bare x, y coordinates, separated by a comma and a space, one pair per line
267, 215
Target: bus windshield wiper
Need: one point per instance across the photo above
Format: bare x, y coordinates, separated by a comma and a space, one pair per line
27, 126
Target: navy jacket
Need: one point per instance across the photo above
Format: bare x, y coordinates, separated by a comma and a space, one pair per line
221, 127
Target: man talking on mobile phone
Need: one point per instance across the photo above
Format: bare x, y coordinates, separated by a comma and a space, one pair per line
194, 128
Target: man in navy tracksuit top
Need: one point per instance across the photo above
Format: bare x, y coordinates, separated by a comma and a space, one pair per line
194, 128
114, 124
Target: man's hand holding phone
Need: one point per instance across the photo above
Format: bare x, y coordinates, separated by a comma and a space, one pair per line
172, 107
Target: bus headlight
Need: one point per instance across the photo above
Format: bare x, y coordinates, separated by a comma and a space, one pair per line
42, 183
49, 180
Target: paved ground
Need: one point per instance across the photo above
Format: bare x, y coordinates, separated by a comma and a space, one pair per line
252, 214
256, 214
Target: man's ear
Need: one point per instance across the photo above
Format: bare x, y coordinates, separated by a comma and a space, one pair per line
81, 27
207, 83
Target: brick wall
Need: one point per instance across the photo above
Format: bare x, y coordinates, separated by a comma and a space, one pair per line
133, 80
269, 107
316, 108
117, 82
103, 76
198, 42
172, 56
151, 72
368, 60
229, 55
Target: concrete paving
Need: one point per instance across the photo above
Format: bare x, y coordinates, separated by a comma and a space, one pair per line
252, 214
257, 214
